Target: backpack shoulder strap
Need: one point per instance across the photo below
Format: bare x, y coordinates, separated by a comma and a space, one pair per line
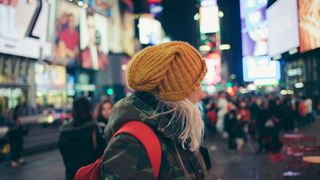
148, 138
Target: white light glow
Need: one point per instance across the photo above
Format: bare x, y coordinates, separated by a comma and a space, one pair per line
224, 47
124, 67
299, 85
293, 51
80, 3
252, 87
204, 48
220, 14
196, 17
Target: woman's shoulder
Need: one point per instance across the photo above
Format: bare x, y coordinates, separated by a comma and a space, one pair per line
70, 127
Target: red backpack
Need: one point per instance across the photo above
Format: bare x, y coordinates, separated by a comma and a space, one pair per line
140, 131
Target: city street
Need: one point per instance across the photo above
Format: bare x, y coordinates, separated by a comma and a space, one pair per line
245, 74
226, 165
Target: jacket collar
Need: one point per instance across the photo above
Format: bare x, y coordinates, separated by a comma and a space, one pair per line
150, 106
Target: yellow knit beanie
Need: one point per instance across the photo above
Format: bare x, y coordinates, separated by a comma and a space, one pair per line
172, 70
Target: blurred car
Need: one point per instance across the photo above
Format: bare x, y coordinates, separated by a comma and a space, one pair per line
54, 116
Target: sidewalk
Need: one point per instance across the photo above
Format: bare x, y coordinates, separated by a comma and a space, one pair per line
43, 166
40, 139
248, 165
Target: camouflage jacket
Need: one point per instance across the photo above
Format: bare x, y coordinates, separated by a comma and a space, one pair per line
126, 157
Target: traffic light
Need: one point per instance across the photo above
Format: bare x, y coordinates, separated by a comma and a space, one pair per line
229, 85
109, 91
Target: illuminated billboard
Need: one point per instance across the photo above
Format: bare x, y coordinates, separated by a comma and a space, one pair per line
209, 19
254, 29
93, 41
67, 39
121, 28
282, 21
260, 68
23, 28
309, 24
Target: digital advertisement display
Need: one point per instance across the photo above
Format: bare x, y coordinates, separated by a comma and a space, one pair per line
128, 27
150, 31
93, 40
67, 39
114, 25
260, 68
121, 28
213, 75
50, 77
309, 24
23, 28
282, 18
254, 30
209, 19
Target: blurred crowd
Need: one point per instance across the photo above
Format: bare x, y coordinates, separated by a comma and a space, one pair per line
261, 118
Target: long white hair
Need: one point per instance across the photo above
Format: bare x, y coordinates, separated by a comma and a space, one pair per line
189, 114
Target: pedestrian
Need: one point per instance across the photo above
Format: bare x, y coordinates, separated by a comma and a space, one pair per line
80, 141
15, 138
212, 117
167, 80
262, 118
302, 111
234, 129
223, 109
287, 116
104, 111
243, 114
310, 117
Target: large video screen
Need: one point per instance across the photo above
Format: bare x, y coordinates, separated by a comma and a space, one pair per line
67, 39
282, 18
254, 29
260, 68
93, 41
309, 24
23, 28
50, 77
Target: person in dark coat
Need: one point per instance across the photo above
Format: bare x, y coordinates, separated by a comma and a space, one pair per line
15, 138
81, 141
233, 128
269, 131
262, 118
286, 116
